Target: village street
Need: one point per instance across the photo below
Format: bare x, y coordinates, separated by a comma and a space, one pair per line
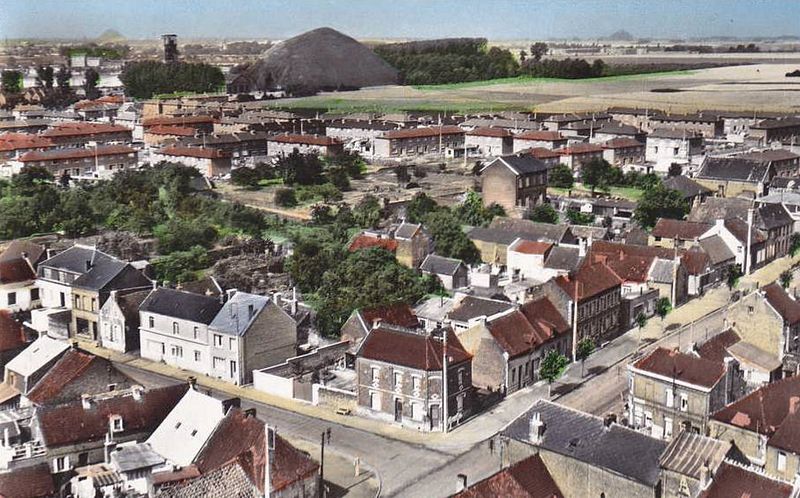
420, 464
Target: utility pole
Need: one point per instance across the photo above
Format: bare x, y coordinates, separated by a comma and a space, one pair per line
326, 434
446, 414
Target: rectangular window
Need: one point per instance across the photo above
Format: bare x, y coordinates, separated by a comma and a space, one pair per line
398, 379
177, 351
375, 401
416, 383
61, 464
77, 302
195, 332
151, 322
781, 461
197, 356
667, 427
684, 403
175, 328
219, 363
232, 344
12, 298
670, 398
376, 373
217, 340
35, 294
94, 304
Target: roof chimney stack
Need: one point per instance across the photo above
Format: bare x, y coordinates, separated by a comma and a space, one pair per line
461, 482
536, 434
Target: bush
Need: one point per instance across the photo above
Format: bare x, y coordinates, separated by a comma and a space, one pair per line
544, 213
285, 197
578, 218
244, 177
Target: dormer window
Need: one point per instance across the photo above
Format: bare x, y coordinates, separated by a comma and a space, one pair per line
116, 423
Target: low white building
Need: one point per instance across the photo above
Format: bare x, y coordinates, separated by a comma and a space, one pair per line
665, 147
18, 290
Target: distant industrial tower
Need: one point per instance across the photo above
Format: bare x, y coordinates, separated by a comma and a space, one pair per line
170, 48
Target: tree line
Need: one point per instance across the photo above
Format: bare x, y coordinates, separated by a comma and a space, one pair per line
144, 79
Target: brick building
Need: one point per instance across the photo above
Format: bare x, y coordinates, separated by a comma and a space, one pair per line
77, 162
419, 141
400, 378
285, 144
515, 182
82, 133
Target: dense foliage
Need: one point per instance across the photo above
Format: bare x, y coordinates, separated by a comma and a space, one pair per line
11, 81
448, 61
660, 202
144, 79
112, 51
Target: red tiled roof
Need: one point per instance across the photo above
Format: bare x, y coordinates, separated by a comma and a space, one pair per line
399, 314
764, 409
541, 136
592, 279
289, 138
696, 261
76, 153
240, 437
12, 335
627, 268
732, 481
71, 423
683, 367
684, 230
106, 99
177, 120
779, 299
17, 248
515, 334
433, 131
579, 149
542, 153
738, 228
15, 270
200, 152
18, 141
365, 242
532, 247
28, 482
413, 349
622, 143
68, 368
543, 313
787, 437
80, 129
528, 478
490, 132
181, 475
178, 131
716, 348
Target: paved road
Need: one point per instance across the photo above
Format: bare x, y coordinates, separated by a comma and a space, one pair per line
399, 464
428, 469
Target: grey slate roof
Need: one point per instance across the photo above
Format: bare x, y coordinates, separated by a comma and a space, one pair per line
100, 274
183, 305
686, 186
717, 249
439, 265
75, 259
772, 216
522, 164
688, 452
138, 456
492, 235
532, 230
235, 316
619, 129
719, 208
406, 230
734, 168
563, 258
473, 307
787, 182
661, 271
674, 134
791, 198
585, 438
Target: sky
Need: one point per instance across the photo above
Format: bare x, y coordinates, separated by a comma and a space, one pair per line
493, 19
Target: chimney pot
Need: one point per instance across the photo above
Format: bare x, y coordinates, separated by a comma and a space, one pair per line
461, 482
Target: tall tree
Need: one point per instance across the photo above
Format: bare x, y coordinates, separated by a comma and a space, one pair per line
596, 173
544, 213
450, 241
90, 80
538, 50
560, 176
63, 77
44, 76
552, 367
660, 202
11, 81
584, 350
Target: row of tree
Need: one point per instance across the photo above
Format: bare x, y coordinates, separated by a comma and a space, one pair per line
144, 79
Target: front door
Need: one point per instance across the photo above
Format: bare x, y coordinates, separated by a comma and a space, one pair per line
434, 416
398, 410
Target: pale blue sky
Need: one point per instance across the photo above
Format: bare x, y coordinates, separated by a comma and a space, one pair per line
495, 19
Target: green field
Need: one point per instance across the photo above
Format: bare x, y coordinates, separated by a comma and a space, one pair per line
392, 105
532, 80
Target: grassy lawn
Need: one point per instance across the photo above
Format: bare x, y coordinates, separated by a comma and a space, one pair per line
533, 80
271, 182
392, 105
630, 193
